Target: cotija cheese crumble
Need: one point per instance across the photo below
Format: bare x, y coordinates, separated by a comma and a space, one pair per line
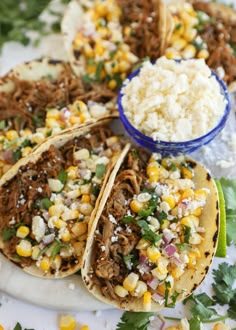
173, 101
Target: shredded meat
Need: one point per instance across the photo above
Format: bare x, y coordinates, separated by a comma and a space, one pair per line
143, 18
26, 104
220, 37
20, 197
113, 239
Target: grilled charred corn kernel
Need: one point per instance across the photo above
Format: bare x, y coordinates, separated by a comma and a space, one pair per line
44, 264
26, 151
195, 239
153, 253
79, 248
189, 52
112, 84
24, 248
72, 172
130, 281
84, 327
86, 208
55, 185
136, 206
142, 244
66, 236
67, 322
121, 291
190, 221
221, 326
140, 289
79, 228
170, 200
22, 231
35, 252
85, 198
186, 172
11, 135
147, 298
56, 210
203, 53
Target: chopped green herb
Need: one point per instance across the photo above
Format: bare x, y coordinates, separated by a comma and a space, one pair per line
178, 26
173, 297
135, 154
57, 248
62, 176
8, 233
187, 234
100, 170
99, 69
183, 247
134, 320
147, 233
49, 133
128, 261
95, 190
8, 144
17, 152
46, 203
152, 204
2, 124
17, 326
112, 53
197, 45
128, 219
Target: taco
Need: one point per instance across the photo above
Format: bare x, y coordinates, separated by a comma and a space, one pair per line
49, 198
154, 234
205, 30
42, 98
104, 39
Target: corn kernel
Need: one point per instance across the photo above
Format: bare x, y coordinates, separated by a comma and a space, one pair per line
124, 66
147, 298
72, 172
79, 228
26, 151
85, 198
203, 53
98, 49
142, 244
11, 135
66, 236
190, 34
136, 206
24, 248
56, 210
170, 200
197, 212
190, 221
186, 172
195, 239
67, 322
130, 281
70, 214
79, 41
165, 224
221, 326
120, 291
91, 69
55, 185
188, 193
162, 265
192, 259
84, 327
82, 118
140, 289
171, 54
1, 327
79, 248
179, 44
74, 120
35, 252
176, 272
88, 51
201, 194
22, 231
44, 264
172, 328
56, 262
189, 52
153, 253
86, 208
26, 132
54, 113
153, 169
58, 223
112, 84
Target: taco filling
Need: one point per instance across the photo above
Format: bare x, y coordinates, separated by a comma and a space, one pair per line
201, 31
37, 109
46, 206
113, 36
148, 234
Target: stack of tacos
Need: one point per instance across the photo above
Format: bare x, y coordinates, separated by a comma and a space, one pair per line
41, 98
154, 234
205, 30
105, 39
49, 198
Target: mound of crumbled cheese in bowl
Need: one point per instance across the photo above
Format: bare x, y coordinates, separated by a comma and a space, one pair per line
173, 101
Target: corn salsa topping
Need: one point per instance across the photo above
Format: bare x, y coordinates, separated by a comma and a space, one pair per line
149, 232
100, 40
46, 209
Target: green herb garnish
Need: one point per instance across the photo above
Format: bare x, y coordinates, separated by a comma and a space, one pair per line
46, 203
147, 233
134, 320
152, 204
62, 176
187, 234
8, 233
128, 219
2, 124
100, 170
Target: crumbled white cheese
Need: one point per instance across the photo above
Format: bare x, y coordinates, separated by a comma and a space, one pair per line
112, 219
173, 101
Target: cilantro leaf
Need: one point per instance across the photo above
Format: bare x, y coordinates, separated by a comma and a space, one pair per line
134, 320
224, 278
147, 233
187, 234
100, 170
232, 308
62, 176
128, 219
229, 189
2, 124
46, 203
195, 323
17, 326
230, 226
152, 204
8, 233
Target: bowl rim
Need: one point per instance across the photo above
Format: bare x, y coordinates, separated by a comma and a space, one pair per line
187, 143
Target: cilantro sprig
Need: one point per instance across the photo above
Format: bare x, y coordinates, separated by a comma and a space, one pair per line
133, 320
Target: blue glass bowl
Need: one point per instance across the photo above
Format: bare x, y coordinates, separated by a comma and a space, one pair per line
173, 148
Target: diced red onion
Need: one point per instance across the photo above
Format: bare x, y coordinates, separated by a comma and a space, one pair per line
7, 156
144, 266
64, 114
48, 239
170, 250
157, 297
158, 323
153, 283
176, 260
167, 236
